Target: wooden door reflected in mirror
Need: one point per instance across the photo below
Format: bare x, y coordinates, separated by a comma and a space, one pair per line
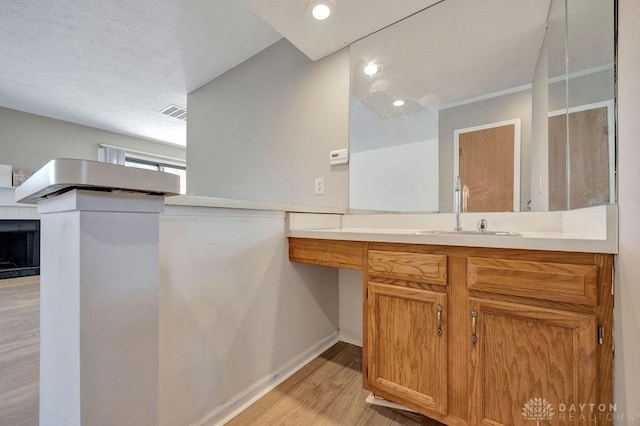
488, 166
589, 181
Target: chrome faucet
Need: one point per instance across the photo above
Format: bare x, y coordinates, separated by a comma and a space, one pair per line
457, 203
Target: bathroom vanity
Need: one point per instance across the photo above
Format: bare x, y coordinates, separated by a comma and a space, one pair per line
468, 334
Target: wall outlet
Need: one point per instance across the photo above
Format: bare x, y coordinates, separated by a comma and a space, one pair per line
319, 186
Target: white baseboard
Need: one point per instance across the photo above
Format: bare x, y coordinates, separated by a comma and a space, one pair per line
350, 337
236, 404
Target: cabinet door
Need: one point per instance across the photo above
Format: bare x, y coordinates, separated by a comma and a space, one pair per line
407, 345
531, 363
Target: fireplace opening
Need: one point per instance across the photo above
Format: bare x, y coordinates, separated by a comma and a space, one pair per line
19, 248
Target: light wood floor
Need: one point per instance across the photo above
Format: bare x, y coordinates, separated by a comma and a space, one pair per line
327, 391
19, 351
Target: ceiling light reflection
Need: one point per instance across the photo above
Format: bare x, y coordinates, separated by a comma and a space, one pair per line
371, 69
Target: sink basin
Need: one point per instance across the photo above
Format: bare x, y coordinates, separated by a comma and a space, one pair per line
492, 233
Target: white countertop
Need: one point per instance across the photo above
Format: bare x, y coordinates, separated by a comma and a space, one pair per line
229, 203
592, 230
8, 196
528, 240
62, 174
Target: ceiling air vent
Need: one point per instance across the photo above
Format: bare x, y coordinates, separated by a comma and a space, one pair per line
175, 111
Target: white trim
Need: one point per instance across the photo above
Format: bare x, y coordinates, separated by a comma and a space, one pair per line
182, 211
582, 73
525, 87
351, 337
611, 125
492, 95
585, 107
240, 401
516, 122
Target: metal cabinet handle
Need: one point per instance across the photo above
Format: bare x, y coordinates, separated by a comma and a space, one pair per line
439, 319
474, 337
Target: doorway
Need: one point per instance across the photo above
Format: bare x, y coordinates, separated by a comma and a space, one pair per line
488, 162
590, 178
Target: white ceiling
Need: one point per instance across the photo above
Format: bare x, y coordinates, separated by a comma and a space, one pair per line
350, 21
456, 50
114, 64
463, 50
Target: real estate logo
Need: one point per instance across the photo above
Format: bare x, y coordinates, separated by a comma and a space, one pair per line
537, 409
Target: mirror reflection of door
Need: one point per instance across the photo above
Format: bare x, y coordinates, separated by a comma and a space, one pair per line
487, 156
589, 178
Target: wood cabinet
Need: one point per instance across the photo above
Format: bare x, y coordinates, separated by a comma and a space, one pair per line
521, 352
342, 254
477, 336
407, 345
406, 328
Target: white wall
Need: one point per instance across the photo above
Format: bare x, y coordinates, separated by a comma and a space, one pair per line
9, 209
401, 178
235, 314
627, 299
263, 130
350, 306
540, 133
583, 90
367, 130
28, 141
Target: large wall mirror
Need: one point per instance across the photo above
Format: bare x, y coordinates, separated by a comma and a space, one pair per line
515, 97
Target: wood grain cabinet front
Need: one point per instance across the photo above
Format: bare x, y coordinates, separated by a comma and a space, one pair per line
407, 345
517, 328
525, 359
340, 254
479, 336
426, 268
553, 281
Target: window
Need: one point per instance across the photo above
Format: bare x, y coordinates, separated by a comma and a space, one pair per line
143, 160
160, 166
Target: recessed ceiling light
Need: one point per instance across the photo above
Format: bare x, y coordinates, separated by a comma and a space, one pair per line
398, 103
320, 9
371, 69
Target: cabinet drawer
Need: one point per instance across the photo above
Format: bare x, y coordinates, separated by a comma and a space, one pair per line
340, 254
558, 282
419, 267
